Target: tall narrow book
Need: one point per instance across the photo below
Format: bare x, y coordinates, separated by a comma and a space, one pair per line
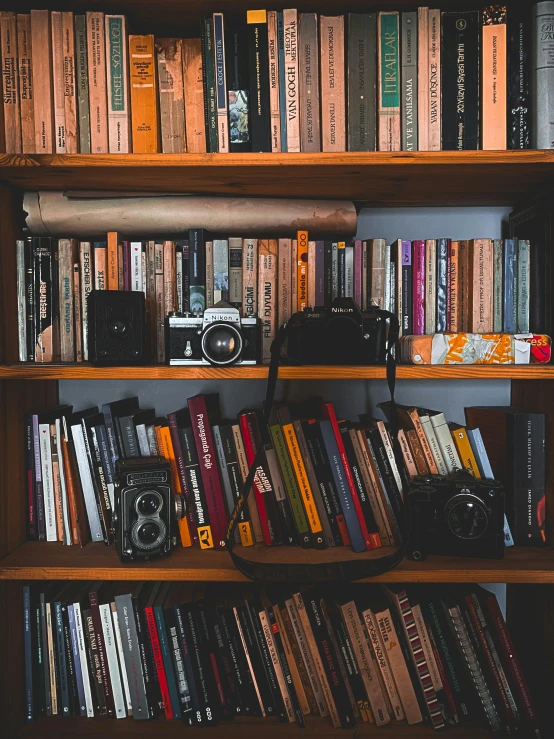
144, 102
308, 73
43, 103
362, 81
290, 30
333, 103
117, 68
493, 78
10, 83
194, 96
389, 82
98, 101
169, 52
409, 58
542, 74
26, 83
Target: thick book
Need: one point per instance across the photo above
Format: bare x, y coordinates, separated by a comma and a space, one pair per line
362, 81
117, 68
308, 74
238, 90
282, 79
388, 39
493, 78
194, 96
267, 294
169, 53
26, 83
209, 84
220, 83
112, 659
10, 83
98, 101
42, 93
443, 286
144, 94
520, 103
409, 81
290, 31
460, 58
418, 287
434, 80
333, 97
542, 75
423, 76
81, 71
259, 80
480, 276
132, 660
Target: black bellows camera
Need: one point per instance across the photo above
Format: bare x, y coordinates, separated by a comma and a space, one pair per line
144, 521
116, 327
341, 334
456, 515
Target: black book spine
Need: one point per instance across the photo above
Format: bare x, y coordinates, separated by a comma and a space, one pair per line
255, 659
207, 700
62, 662
28, 627
208, 76
253, 608
149, 674
211, 659
460, 52
46, 659
243, 679
395, 501
192, 716
327, 273
519, 102
39, 656
194, 477
105, 506
31, 478
181, 678
238, 92
129, 437
362, 81
281, 653
42, 268
442, 286
358, 479
183, 245
258, 67
30, 304
342, 271
329, 659
526, 502
225, 663
197, 271
75, 707
101, 648
233, 467
351, 666
287, 526
94, 661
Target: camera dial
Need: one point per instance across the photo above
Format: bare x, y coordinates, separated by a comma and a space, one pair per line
466, 516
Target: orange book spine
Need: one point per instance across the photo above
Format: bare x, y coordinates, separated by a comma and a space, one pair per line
427, 451
57, 483
144, 95
98, 100
42, 88
68, 474
417, 452
463, 445
480, 280
10, 82
302, 270
167, 451
194, 96
333, 102
494, 78
407, 454
58, 77
311, 274
69, 84
113, 261
100, 266
453, 277
25, 71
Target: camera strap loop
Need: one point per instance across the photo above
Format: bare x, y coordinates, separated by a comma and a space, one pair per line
352, 569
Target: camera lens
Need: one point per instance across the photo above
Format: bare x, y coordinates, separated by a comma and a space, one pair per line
118, 326
466, 517
221, 343
148, 503
148, 533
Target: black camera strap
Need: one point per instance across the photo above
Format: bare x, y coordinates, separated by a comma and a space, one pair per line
361, 566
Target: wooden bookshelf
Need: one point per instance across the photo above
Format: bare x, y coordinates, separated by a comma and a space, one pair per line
379, 178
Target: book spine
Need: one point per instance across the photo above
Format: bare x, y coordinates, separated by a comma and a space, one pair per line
26, 83
333, 104
100, 258
460, 54
362, 74
208, 72
220, 84
80, 638
282, 79
381, 655
62, 661
418, 288
243, 466
121, 658
523, 286
443, 300
117, 67
274, 91
194, 96
144, 95
480, 279
69, 84
249, 277
498, 284
493, 78
42, 92
100, 650
290, 30
221, 270
284, 267
423, 76
131, 652
10, 83
453, 283
434, 81
178, 663
159, 298
527, 450
308, 72
53, 676
389, 82
111, 656
194, 480
542, 75
85, 258
267, 294
231, 461
44, 304
464, 285
280, 665
98, 101
158, 660
409, 117
301, 268
365, 494
197, 271
21, 301
81, 66
28, 655
256, 21
180, 463
431, 286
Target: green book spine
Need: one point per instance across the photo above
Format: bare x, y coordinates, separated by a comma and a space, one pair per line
523, 275
81, 69
498, 281
210, 102
291, 487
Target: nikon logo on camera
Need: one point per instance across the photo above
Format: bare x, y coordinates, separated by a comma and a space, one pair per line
342, 310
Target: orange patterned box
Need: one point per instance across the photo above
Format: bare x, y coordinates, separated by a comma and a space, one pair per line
476, 349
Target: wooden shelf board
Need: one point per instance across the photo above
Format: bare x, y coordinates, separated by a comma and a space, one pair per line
33, 371
52, 561
377, 178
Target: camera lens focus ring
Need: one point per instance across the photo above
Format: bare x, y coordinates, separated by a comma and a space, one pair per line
466, 516
148, 502
221, 343
148, 533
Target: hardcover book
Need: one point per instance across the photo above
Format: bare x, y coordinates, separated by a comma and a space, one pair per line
98, 101
542, 74
259, 79
308, 73
144, 121
519, 80
238, 93
292, 92
409, 113
333, 106
389, 82
493, 78
169, 52
117, 63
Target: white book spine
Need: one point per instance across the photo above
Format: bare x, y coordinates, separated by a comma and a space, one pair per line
21, 310
446, 443
349, 270
250, 277
179, 278
136, 266
152, 441
142, 437
121, 656
86, 484
63, 486
287, 702
113, 665
221, 270
86, 286
386, 302
390, 454
47, 482
434, 444
384, 664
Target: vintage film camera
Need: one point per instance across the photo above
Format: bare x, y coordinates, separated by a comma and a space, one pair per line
220, 337
341, 334
116, 327
144, 522
456, 515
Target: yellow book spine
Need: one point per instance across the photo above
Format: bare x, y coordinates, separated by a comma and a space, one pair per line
302, 270
467, 458
144, 95
302, 478
167, 452
113, 261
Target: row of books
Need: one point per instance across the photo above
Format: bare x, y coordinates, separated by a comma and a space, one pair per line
279, 81
322, 481
352, 654
434, 286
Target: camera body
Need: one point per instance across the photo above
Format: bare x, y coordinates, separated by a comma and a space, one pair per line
456, 515
116, 327
144, 521
220, 337
342, 334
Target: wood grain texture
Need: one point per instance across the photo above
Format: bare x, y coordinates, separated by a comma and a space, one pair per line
32, 371
52, 561
379, 178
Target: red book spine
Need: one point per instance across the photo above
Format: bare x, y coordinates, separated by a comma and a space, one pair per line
158, 660
207, 459
330, 411
250, 452
418, 306
512, 661
174, 431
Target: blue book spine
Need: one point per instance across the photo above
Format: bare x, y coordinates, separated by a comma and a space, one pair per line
28, 649
62, 664
319, 273
76, 659
282, 80
339, 476
510, 287
168, 662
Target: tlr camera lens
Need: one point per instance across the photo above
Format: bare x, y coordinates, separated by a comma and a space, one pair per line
148, 533
148, 503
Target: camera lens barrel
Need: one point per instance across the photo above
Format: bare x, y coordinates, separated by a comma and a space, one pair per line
221, 343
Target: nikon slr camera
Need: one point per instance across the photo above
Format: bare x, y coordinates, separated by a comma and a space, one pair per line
456, 515
220, 337
146, 512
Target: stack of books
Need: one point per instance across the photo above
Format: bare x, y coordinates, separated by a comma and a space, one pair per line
272, 81
321, 482
357, 654
479, 286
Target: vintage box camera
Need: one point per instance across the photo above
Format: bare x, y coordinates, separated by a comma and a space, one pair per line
220, 337
144, 521
341, 334
456, 515
116, 327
